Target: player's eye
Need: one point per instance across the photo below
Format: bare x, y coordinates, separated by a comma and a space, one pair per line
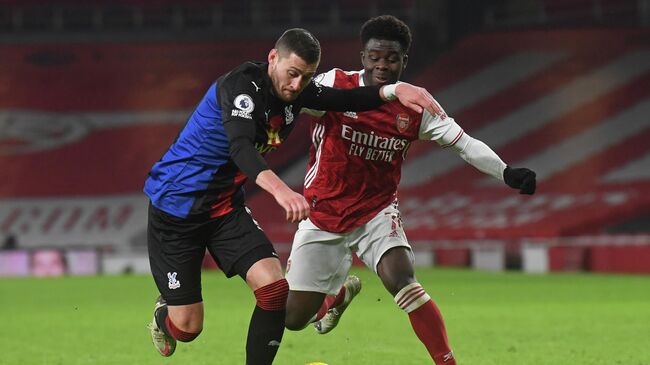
293, 74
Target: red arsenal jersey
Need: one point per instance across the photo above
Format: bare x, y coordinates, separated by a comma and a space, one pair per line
355, 159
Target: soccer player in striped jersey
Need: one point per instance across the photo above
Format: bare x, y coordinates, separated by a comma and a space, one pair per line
351, 186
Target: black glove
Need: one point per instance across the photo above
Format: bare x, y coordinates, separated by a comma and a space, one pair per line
521, 178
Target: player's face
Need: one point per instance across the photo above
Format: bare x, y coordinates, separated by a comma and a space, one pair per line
290, 74
383, 61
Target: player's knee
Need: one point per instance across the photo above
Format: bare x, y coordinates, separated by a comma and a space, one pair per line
395, 283
188, 320
193, 327
411, 297
273, 297
396, 269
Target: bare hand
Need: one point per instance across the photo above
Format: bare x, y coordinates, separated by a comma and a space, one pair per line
418, 99
294, 205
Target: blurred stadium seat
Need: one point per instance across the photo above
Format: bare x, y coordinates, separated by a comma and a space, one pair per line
81, 123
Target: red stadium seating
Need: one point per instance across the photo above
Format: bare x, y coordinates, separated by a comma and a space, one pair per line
90, 119
577, 117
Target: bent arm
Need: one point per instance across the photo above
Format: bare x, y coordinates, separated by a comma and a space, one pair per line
241, 135
294, 204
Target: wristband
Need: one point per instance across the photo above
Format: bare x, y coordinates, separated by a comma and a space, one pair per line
389, 92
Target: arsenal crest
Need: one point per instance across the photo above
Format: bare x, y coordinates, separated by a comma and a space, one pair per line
403, 121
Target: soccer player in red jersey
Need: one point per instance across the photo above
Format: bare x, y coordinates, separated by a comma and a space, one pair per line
351, 186
197, 196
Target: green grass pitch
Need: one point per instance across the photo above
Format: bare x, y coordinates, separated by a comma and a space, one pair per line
492, 319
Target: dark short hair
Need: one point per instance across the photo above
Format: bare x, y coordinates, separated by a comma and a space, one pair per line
386, 27
301, 42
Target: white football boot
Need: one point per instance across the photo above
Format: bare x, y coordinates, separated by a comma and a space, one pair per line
331, 319
166, 345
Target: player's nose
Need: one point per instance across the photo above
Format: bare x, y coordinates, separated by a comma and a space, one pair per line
381, 65
295, 83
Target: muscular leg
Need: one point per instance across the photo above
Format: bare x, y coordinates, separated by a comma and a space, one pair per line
302, 306
175, 252
396, 272
319, 262
267, 322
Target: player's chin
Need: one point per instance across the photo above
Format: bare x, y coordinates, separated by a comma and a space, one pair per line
288, 96
380, 81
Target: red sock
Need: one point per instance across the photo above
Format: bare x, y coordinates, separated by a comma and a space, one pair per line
330, 302
427, 322
179, 334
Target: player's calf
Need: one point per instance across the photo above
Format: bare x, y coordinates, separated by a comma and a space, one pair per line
164, 332
427, 322
267, 323
302, 307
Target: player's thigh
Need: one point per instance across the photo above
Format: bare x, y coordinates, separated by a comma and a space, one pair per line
395, 269
381, 234
176, 252
319, 261
239, 243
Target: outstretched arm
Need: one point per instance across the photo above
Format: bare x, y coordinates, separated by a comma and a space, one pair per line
413, 97
521, 178
479, 155
449, 134
318, 97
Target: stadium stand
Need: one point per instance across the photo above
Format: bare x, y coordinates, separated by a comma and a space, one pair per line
82, 122
571, 104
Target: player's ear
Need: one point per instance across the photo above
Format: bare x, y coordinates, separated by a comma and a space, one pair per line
405, 58
363, 56
273, 56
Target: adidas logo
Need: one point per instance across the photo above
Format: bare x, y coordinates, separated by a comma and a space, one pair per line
448, 357
350, 115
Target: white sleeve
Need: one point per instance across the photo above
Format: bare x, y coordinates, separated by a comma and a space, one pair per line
448, 134
325, 79
479, 155
444, 131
